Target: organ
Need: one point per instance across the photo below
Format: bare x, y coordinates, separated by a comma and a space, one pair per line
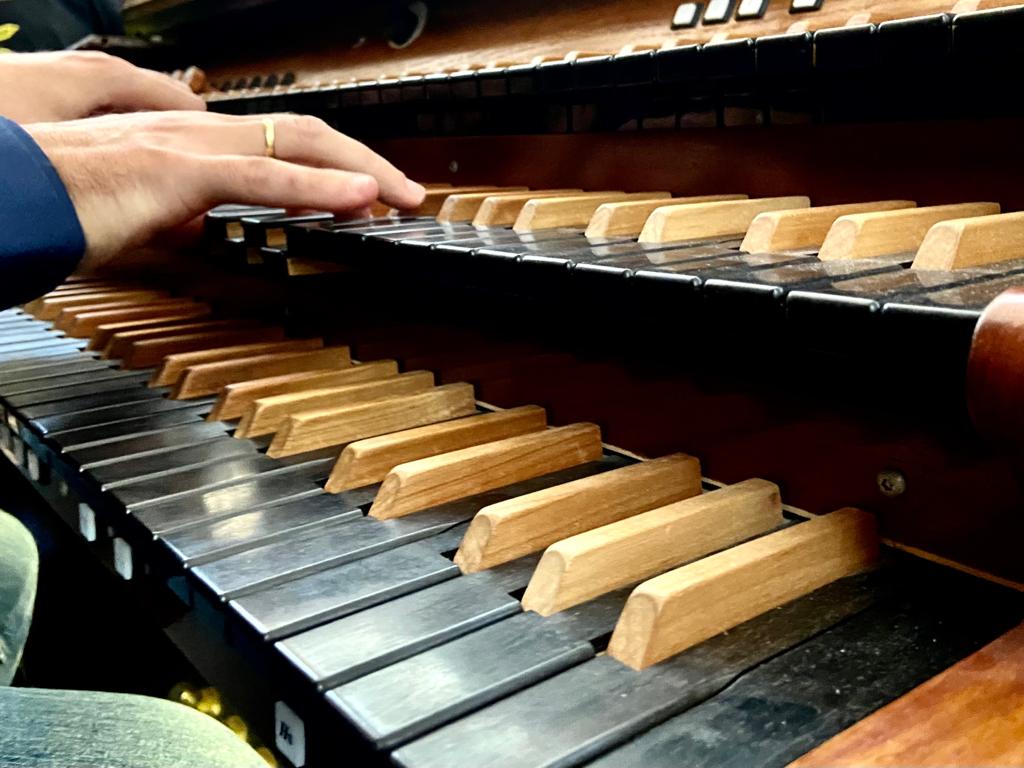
680, 425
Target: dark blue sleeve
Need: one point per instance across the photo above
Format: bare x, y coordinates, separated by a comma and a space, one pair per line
41, 240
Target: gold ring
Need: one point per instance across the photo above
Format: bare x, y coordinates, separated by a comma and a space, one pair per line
269, 137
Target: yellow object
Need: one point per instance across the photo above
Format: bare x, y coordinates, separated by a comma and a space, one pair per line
210, 702
186, 694
7, 31
238, 725
267, 755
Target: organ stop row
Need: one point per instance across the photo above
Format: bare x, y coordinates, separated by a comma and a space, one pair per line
680, 425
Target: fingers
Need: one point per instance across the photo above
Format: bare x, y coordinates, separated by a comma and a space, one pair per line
135, 89
265, 181
307, 141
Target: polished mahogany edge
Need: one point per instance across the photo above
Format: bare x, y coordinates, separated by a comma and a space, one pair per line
995, 371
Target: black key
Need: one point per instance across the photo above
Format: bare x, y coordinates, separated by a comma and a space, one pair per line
143, 445
355, 645
69, 365
204, 543
139, 468
87, 428
116, 413
123, 383
601, 703
67, 380
781, 710
425, 691
205, 505
257, 569
130, 400
334, 592
14, 368
37, 350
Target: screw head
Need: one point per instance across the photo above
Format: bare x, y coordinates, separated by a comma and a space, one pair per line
891, 483
453, 166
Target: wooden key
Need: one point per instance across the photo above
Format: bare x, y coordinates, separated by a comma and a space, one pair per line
806, 228
574, 211
145, 353
500, 211
703, 221
33, 306
209, 378
626, 552
103, 333
968, 715
85, 323
675, 611
435, 198
510, 529
311, 430
427, 482
369, 461
869, 235
464, 207
973, 242
52, 307
119, 343
235, 399
67, 316
266, 415
173, 365
627, 219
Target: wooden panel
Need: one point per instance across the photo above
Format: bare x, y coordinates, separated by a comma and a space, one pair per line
969, 715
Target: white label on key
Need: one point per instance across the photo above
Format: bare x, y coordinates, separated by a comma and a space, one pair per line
123, 558
87, 522
33, 466
290, 734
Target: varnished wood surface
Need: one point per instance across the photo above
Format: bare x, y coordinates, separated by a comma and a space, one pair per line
675, 611
173, 365
147, 352
510, 529
102, 334
369, 461
970, 715
974, 242
628, 218
209, 378
707, 220
426, 482
465, 36
995, 371
83, 324
622, 553
117, 344
785, 230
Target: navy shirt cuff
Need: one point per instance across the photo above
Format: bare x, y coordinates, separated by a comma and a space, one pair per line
42, 239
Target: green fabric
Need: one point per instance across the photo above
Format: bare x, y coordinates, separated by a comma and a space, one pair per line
87, 729
19, 570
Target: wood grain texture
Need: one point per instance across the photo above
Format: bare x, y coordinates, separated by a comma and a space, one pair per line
675, 611
235, 399
701, 221
102, 334
611, 219
145, 353
807, 228
434, 198
105, 336
424, 483
209, 378
83, 324
67, 316
267, 414
51, 307
369, 461
995, 372
572, 211
460, 38
866, 235
173, 365
970, 715
463, 207
501, 211
973, 242
311, 430
510, 529
626, 552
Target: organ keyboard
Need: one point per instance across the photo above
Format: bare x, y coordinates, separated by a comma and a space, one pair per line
680, 425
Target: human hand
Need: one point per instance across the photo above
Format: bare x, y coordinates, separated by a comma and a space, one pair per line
46, 87
132, 177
